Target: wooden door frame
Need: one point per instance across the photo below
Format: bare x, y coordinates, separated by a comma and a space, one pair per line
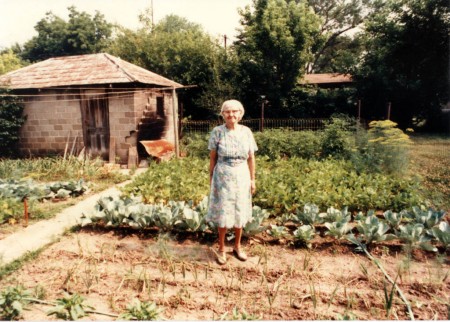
98, 101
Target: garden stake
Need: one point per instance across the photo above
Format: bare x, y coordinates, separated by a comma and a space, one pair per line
25, 207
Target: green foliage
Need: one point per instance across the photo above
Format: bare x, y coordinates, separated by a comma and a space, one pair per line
175, 215
406, 50
304, 234
11, 120
255, 225
70, 307
239, 315
384, 149
283, 185
373, 230
389, 298
311, 101
81, 34
58, 169
442, 233
309, 216
179, 179
427, 217
394, 219
279, 143
413, 234
286, 185
141, 311
196, 145
273, 48
9, 61
13, 301
10, 209
334, 51
337, 140
37, 191
336, 215
182, 51
278, 232
338, 229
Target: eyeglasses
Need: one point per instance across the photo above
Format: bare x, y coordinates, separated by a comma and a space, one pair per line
231, 111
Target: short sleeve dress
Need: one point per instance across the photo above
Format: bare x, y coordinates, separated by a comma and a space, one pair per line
230, 199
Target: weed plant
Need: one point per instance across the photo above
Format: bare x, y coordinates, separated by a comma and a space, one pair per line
70, 307
58, 169
13, 301
141, 311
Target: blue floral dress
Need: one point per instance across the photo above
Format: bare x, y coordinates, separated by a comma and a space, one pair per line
230, 199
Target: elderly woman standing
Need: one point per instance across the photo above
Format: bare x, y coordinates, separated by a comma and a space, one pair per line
232, 177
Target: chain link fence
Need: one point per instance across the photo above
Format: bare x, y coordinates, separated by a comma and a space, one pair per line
189, 127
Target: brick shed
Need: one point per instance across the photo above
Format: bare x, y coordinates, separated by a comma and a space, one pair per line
95, 103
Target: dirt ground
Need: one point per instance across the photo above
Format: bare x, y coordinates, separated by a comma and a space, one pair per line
279, 281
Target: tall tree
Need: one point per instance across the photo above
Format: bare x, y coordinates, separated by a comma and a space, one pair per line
406, 62
81, 34
182, 51
273, 48
333, 44
9, 61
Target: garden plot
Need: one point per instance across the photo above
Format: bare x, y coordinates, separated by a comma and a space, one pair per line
110, 268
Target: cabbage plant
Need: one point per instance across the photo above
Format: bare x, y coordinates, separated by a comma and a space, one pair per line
338, 229
304, 234
373, 230
442, 233
309, 215
414, 235
255, 225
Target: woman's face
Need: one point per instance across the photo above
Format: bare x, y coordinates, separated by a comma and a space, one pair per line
232, 116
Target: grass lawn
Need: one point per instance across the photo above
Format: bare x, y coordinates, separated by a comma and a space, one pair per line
430, 159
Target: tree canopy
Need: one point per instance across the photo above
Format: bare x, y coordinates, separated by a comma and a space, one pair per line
81, 34
182, 51
273, 48
9, 61
398, 57
406, 62
333, 50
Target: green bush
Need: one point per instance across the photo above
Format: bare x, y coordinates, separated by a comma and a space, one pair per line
195, 145
338, 138
276, 143
382, 149
11, 120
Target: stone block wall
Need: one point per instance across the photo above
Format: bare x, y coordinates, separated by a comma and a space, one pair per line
53, 121
122, 123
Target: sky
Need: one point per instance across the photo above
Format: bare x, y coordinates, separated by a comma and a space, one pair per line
18, 17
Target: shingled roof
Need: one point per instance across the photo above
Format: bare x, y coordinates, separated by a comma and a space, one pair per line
81, 70
330, 78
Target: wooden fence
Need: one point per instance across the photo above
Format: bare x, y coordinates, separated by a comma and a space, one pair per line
188, 127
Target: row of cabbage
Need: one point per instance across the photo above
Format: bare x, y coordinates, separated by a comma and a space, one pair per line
417, 227
20, 189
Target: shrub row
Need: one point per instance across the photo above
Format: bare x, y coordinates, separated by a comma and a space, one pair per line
381, 149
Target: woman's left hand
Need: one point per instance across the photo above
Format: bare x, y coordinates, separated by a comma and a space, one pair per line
253, 187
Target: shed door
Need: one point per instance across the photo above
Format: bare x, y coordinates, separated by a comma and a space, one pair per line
95, 113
